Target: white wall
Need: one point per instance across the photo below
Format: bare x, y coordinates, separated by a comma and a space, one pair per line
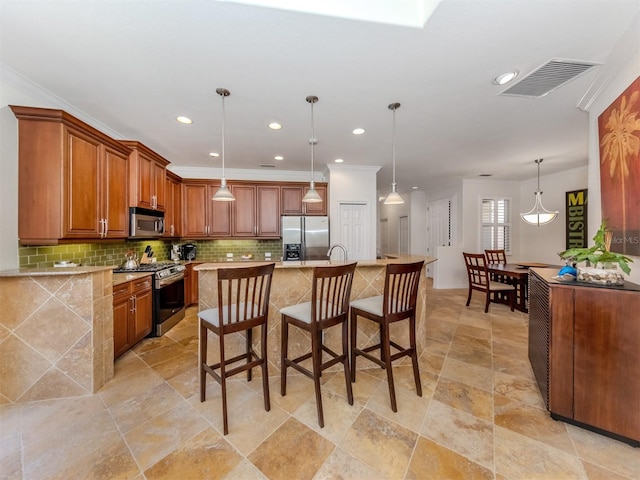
353, 184
542, 244
418, 223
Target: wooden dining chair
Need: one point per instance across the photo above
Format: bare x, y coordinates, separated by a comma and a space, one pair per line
496, 257
329, 307
398, 302
478, 276
242, 304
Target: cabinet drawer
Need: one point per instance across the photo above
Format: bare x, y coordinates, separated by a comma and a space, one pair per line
121, 292
141, 284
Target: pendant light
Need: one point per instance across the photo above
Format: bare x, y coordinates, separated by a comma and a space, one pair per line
223, 194
394, 197
312, 195
538, 215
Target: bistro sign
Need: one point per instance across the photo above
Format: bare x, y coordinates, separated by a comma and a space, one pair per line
577, 219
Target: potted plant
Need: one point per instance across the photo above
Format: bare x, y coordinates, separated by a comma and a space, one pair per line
599, 256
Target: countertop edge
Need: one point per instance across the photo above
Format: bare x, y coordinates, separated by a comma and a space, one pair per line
53, 271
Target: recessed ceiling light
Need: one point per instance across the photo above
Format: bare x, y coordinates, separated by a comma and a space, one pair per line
358, 131
275, 126
339, 160
278, 157
185, 120
505, 77
414, 188
214, 154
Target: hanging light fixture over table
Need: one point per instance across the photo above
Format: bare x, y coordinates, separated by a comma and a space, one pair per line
223, 194
394, 197
538, 215
312, 195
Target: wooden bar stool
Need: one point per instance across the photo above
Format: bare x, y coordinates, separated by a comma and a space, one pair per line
397, 303
243, 303
329, 306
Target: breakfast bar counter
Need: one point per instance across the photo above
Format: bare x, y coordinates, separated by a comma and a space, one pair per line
292, 285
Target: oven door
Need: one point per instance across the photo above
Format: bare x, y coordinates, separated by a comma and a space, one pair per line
168, 305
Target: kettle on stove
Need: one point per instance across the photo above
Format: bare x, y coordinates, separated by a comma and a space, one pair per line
131, 260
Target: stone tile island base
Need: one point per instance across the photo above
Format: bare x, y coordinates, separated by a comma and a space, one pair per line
56, 332
291, 285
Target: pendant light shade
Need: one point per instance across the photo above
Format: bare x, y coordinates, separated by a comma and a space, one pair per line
223, 194
312, 195
538, 215
394, 197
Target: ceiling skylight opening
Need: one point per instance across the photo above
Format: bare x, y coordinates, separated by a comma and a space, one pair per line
358, 131
506, 77
275, 126
185, 120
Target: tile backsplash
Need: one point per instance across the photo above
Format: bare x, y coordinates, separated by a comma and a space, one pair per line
101, 254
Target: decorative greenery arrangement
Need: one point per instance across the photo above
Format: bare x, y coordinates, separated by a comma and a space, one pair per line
599, 253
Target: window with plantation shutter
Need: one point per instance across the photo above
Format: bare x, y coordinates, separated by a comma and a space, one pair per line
496, 224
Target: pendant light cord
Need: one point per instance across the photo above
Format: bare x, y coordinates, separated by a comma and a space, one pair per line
394, 145
223, 122
313, 138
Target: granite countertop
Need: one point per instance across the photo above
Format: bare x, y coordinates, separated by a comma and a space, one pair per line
314, 263
50, 271
119, 278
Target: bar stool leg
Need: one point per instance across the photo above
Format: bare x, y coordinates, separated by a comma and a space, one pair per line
345, 361
386, 349
203, 360
316, 355
223, 385
265, 367
354, 334
284, 354
414, 354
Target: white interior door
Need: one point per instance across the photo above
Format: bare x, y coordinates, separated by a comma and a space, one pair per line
404, 235
439, 227
354, 230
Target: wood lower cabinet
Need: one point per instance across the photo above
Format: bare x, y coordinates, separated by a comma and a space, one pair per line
132, 313
73, 179
191, 291
584, 347
148, 172
291, 199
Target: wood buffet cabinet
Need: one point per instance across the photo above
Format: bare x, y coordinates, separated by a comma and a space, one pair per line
584, 347
72, 179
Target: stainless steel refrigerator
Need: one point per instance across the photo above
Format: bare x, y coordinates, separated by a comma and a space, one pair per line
305, 238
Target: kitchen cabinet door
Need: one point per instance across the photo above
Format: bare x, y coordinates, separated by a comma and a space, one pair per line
291, 199
268, 209
158, 182
219, 215
316, 208
173, 206
243, 210
122, 305
148, 175
195, 212
116, 181
142, 320
132, 313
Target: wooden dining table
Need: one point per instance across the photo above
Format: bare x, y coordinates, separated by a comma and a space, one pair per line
518, 275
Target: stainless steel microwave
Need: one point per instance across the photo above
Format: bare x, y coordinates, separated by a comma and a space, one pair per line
145, 223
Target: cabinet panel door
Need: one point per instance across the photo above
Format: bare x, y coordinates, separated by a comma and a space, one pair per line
121, 342
606, 360
145, 177
142, 318
316, 208
244, 210
169, 212
82, 186
194, 220
159, 185
116, 190
177, 209
291, 200
219, 215
268, 215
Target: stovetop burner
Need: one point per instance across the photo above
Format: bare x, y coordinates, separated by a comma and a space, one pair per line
146, 267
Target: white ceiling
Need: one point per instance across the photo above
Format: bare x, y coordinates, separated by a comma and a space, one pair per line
135, 65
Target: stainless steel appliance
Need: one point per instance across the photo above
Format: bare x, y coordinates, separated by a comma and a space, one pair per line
305, 238
167, 293
189, 251
145, 223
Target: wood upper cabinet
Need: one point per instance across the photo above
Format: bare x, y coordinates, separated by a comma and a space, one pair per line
132, 313
173, 206
73, 179
292, 195
202, 217
147, 171
255, 212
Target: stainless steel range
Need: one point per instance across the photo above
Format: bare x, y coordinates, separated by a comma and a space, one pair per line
168, 294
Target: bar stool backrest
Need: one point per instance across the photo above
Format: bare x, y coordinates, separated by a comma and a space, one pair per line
401, 288
331, 291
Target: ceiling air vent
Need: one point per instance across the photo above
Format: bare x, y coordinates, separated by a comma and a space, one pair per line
267, 165
546, 78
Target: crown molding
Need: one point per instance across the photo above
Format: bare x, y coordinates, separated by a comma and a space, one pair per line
210, 173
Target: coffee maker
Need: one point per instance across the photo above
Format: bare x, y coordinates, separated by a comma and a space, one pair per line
189, 251
176, 252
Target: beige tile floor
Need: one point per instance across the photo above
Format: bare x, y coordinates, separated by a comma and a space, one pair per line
480, 417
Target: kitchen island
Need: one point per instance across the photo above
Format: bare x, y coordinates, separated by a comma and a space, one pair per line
292, 284
56, 332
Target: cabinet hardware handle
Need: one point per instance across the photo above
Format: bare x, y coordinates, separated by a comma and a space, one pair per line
133, 308
106, 226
